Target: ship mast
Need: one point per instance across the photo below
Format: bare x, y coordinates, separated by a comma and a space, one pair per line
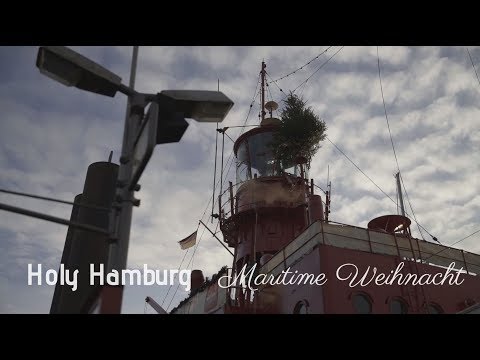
400, 195
262, 72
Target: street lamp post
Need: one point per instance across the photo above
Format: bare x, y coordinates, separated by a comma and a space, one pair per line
165, 125
111, 301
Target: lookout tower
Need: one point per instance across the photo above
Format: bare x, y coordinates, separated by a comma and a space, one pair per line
272, 202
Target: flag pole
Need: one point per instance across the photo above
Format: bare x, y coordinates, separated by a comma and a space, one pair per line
215, 236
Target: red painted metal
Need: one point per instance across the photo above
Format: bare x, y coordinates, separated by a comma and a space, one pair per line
315, 207
196, 280
111, 299
389, 223
267, 213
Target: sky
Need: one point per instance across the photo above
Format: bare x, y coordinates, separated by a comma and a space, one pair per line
50, 133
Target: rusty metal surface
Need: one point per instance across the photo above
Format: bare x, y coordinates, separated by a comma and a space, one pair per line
389, 223
268, 192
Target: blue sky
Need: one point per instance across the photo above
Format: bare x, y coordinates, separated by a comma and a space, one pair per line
48, 132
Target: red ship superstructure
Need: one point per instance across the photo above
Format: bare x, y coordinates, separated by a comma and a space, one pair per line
277, 224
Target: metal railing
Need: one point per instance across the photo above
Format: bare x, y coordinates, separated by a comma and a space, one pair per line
340, 235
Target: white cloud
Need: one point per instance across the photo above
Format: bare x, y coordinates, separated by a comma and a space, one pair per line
49, 134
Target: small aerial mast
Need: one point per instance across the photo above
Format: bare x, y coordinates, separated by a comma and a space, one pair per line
262, 73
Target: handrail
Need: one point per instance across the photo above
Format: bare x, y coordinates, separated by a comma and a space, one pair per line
284, 257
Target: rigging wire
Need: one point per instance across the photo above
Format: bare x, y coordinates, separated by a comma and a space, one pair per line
188, 266
184, 255
413, 212
230, 158
215, 170
256, 93
241, 132
450, 245
242, 127
319, 188
54, 200
229, 138
221, 172
318, 69
473, 65
239, 126
393, 146
279, 88
385, 110
271, 97
301, 67
303, 88
396, 191
374, 183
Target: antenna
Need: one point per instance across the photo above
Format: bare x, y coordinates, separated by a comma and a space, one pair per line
215, 167
271, 106
110, 156
400, 195
328, 194
328, 173
263, 89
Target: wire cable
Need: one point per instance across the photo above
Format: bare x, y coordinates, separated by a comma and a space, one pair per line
228, 171
373, 182
318, 69
301, 67
319, 188
393, 146
188, 266
215, 170
385, 110
413, 212
184, 255
450, 245
473, 65
279, 88
271, 97
208, 204
54, 200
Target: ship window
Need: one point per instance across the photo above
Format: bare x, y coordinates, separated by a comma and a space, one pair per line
398, 306
362, 304
433, 308
301, 307
255, 158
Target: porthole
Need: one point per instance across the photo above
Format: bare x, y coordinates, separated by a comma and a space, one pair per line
362, 304
398, 306
301, 307
434, 309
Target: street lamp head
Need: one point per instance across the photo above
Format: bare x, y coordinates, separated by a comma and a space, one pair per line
72, 69
200, 105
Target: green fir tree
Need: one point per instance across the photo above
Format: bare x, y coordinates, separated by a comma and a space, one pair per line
299, 134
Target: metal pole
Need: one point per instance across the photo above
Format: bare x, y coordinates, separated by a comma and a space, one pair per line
133, 70
54, 200
155, 305
112, 295
53, 219
263, 89
215, 236
400, 195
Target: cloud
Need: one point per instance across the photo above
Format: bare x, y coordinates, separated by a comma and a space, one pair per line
49, 134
